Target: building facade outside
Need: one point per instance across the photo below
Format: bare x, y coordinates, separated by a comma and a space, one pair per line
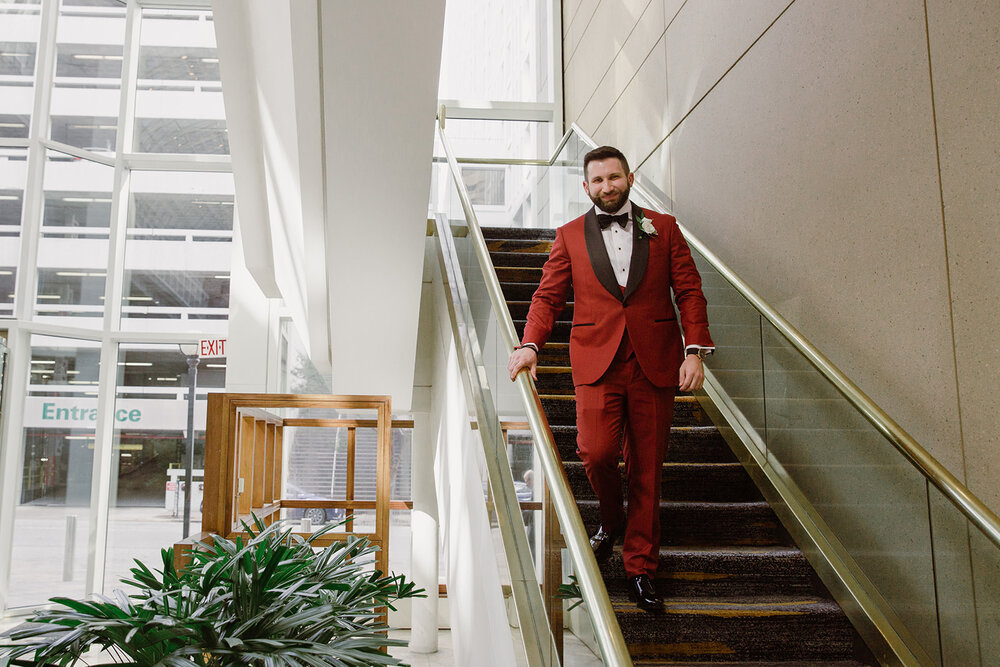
116, 224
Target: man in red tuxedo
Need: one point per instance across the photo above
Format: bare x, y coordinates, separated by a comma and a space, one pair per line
628, 358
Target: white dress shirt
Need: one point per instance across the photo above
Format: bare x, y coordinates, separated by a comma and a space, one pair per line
618, 242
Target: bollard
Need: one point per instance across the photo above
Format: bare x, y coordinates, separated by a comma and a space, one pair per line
69, 548
306, 525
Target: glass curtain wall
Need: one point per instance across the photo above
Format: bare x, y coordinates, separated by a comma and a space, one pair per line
108, 278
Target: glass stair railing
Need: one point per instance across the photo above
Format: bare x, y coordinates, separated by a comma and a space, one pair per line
483, 334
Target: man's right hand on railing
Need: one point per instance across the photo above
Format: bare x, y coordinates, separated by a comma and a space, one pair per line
523, 357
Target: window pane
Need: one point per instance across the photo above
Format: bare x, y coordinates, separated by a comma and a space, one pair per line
178, 252
19, 27
88, 74
496, 51
73, 250
179, 93
151, 407
49, 555
485, 185
13, 170
317, 461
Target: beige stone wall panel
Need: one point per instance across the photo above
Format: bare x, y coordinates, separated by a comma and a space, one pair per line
704, 41
811, 169
636, 123
965, 60
575, 28
611, 82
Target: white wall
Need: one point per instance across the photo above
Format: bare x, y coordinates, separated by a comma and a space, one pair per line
253, 340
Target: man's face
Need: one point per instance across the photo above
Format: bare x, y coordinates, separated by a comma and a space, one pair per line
607, 184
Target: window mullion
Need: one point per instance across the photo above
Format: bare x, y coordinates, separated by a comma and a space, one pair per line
104, 465
34, 187
12, 453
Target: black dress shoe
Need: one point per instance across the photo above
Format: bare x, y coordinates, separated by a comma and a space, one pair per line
642, 592
603, 544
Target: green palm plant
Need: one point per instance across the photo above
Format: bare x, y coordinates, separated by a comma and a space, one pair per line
270, 599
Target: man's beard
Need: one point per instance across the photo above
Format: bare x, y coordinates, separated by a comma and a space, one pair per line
611, 206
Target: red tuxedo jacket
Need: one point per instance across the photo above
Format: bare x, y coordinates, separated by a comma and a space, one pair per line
602, 312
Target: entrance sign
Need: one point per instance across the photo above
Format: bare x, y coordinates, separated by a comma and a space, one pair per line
131, 414
211, 347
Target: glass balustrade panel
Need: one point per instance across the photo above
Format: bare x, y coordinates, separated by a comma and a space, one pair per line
986, 578
872, 499
487, 442
554, 386
957, 602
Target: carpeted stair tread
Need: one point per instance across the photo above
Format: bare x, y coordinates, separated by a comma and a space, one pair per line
702, 523
527, 246
506, 259
704, 482
554, 354
519, 311
490, 233
522, 291
519, 274
560, 330
554, 380
714, 571
562, 410
660, 662
728, 629
687, 443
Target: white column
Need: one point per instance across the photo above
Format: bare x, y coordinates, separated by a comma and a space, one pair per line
424, 537
253, 340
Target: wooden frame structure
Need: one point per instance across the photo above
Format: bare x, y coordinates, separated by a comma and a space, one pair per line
244, 446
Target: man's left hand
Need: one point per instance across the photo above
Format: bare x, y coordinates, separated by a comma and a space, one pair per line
692, 376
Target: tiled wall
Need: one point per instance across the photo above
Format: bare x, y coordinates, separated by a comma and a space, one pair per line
842, 156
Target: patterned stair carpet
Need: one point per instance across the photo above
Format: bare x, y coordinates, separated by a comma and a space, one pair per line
736, 588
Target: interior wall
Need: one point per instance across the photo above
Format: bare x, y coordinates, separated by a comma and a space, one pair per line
842, 157
252, 341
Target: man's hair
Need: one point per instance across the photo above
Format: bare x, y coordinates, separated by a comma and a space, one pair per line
603, 153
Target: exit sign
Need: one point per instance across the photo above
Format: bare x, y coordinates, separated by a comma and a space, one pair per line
212, 347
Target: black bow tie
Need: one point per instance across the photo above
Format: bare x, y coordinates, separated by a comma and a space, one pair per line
604, 220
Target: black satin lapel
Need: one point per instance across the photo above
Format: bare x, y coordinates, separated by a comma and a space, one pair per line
640, 254
598, 253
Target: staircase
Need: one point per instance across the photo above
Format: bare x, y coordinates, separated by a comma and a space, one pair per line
736, 588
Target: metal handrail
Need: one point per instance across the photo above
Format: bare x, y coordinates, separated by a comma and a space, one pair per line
606, 629
974, 509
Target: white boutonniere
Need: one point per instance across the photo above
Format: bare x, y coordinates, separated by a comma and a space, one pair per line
646, 227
